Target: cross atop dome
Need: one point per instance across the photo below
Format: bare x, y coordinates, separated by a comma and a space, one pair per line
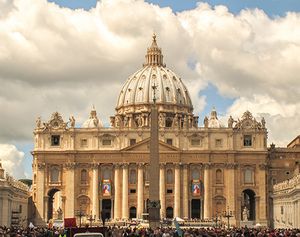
154, 56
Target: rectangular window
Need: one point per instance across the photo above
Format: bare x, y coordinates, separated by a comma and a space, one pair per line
218, 142
281, 209
106, 142
195, 142
169, 141
55, 140
248, 176
132, 190
247, 140
132, 142
169, 191
83, 142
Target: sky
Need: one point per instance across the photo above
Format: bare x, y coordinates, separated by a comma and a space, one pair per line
67, 55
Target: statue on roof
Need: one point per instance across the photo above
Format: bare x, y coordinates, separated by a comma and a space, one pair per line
263, 123
72, 121
230, 122
205, 122
38, 123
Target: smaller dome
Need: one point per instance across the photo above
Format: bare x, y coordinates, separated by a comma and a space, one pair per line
92, 121
213, 121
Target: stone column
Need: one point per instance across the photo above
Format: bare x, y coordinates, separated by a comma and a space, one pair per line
185, 187
230, 178
118, 189
207, 189
262, 217
95, 200
140, 191
125, 214
40, 193
162, 191
177, 191
70, 189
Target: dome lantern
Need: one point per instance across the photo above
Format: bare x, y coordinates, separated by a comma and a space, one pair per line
154, 56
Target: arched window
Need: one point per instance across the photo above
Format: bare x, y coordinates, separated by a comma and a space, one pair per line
195, 174
169, 176
132, 212
248, 176
83, 176
169, 212
54, 175
219, 176
132, 176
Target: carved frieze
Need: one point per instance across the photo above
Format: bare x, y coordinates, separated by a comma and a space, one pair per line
263, 166
70, 165
41, 166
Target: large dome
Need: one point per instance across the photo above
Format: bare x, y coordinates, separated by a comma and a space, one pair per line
171, 94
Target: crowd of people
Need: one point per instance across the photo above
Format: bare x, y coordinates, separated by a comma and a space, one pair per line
159, 232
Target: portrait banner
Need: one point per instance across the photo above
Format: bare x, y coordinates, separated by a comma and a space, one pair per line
106, 188
196, 188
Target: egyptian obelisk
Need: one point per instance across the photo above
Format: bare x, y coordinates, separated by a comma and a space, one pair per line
154, 203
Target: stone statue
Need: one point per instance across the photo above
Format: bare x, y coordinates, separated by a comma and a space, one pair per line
263, 123
38, 122
125, 122
117, 122
96, 121
59, 213
112, 121
245, 214
72, 121
205, 122
230, 122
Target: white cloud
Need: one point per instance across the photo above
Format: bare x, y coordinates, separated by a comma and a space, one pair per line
58, 59
11, 159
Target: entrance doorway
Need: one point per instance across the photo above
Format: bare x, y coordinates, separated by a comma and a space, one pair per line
51, 194
249, 203
196, 208
106, 208
169, 212
132, 212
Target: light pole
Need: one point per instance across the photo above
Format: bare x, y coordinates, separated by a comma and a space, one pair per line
227, 214
91, 218
80, 214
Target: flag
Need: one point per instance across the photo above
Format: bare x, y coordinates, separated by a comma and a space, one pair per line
179, 231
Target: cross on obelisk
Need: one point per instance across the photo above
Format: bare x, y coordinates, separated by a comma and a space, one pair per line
154, 203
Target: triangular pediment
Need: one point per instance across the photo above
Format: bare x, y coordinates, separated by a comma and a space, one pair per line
144, 146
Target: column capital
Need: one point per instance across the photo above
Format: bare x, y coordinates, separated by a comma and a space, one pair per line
177, 165
162, 165
117, 165
41, 166
207, 165
70, 165
125, 165
94, 165
185, 165
231, 165
140, 165
263, 166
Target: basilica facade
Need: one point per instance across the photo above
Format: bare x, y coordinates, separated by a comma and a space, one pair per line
206, 170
